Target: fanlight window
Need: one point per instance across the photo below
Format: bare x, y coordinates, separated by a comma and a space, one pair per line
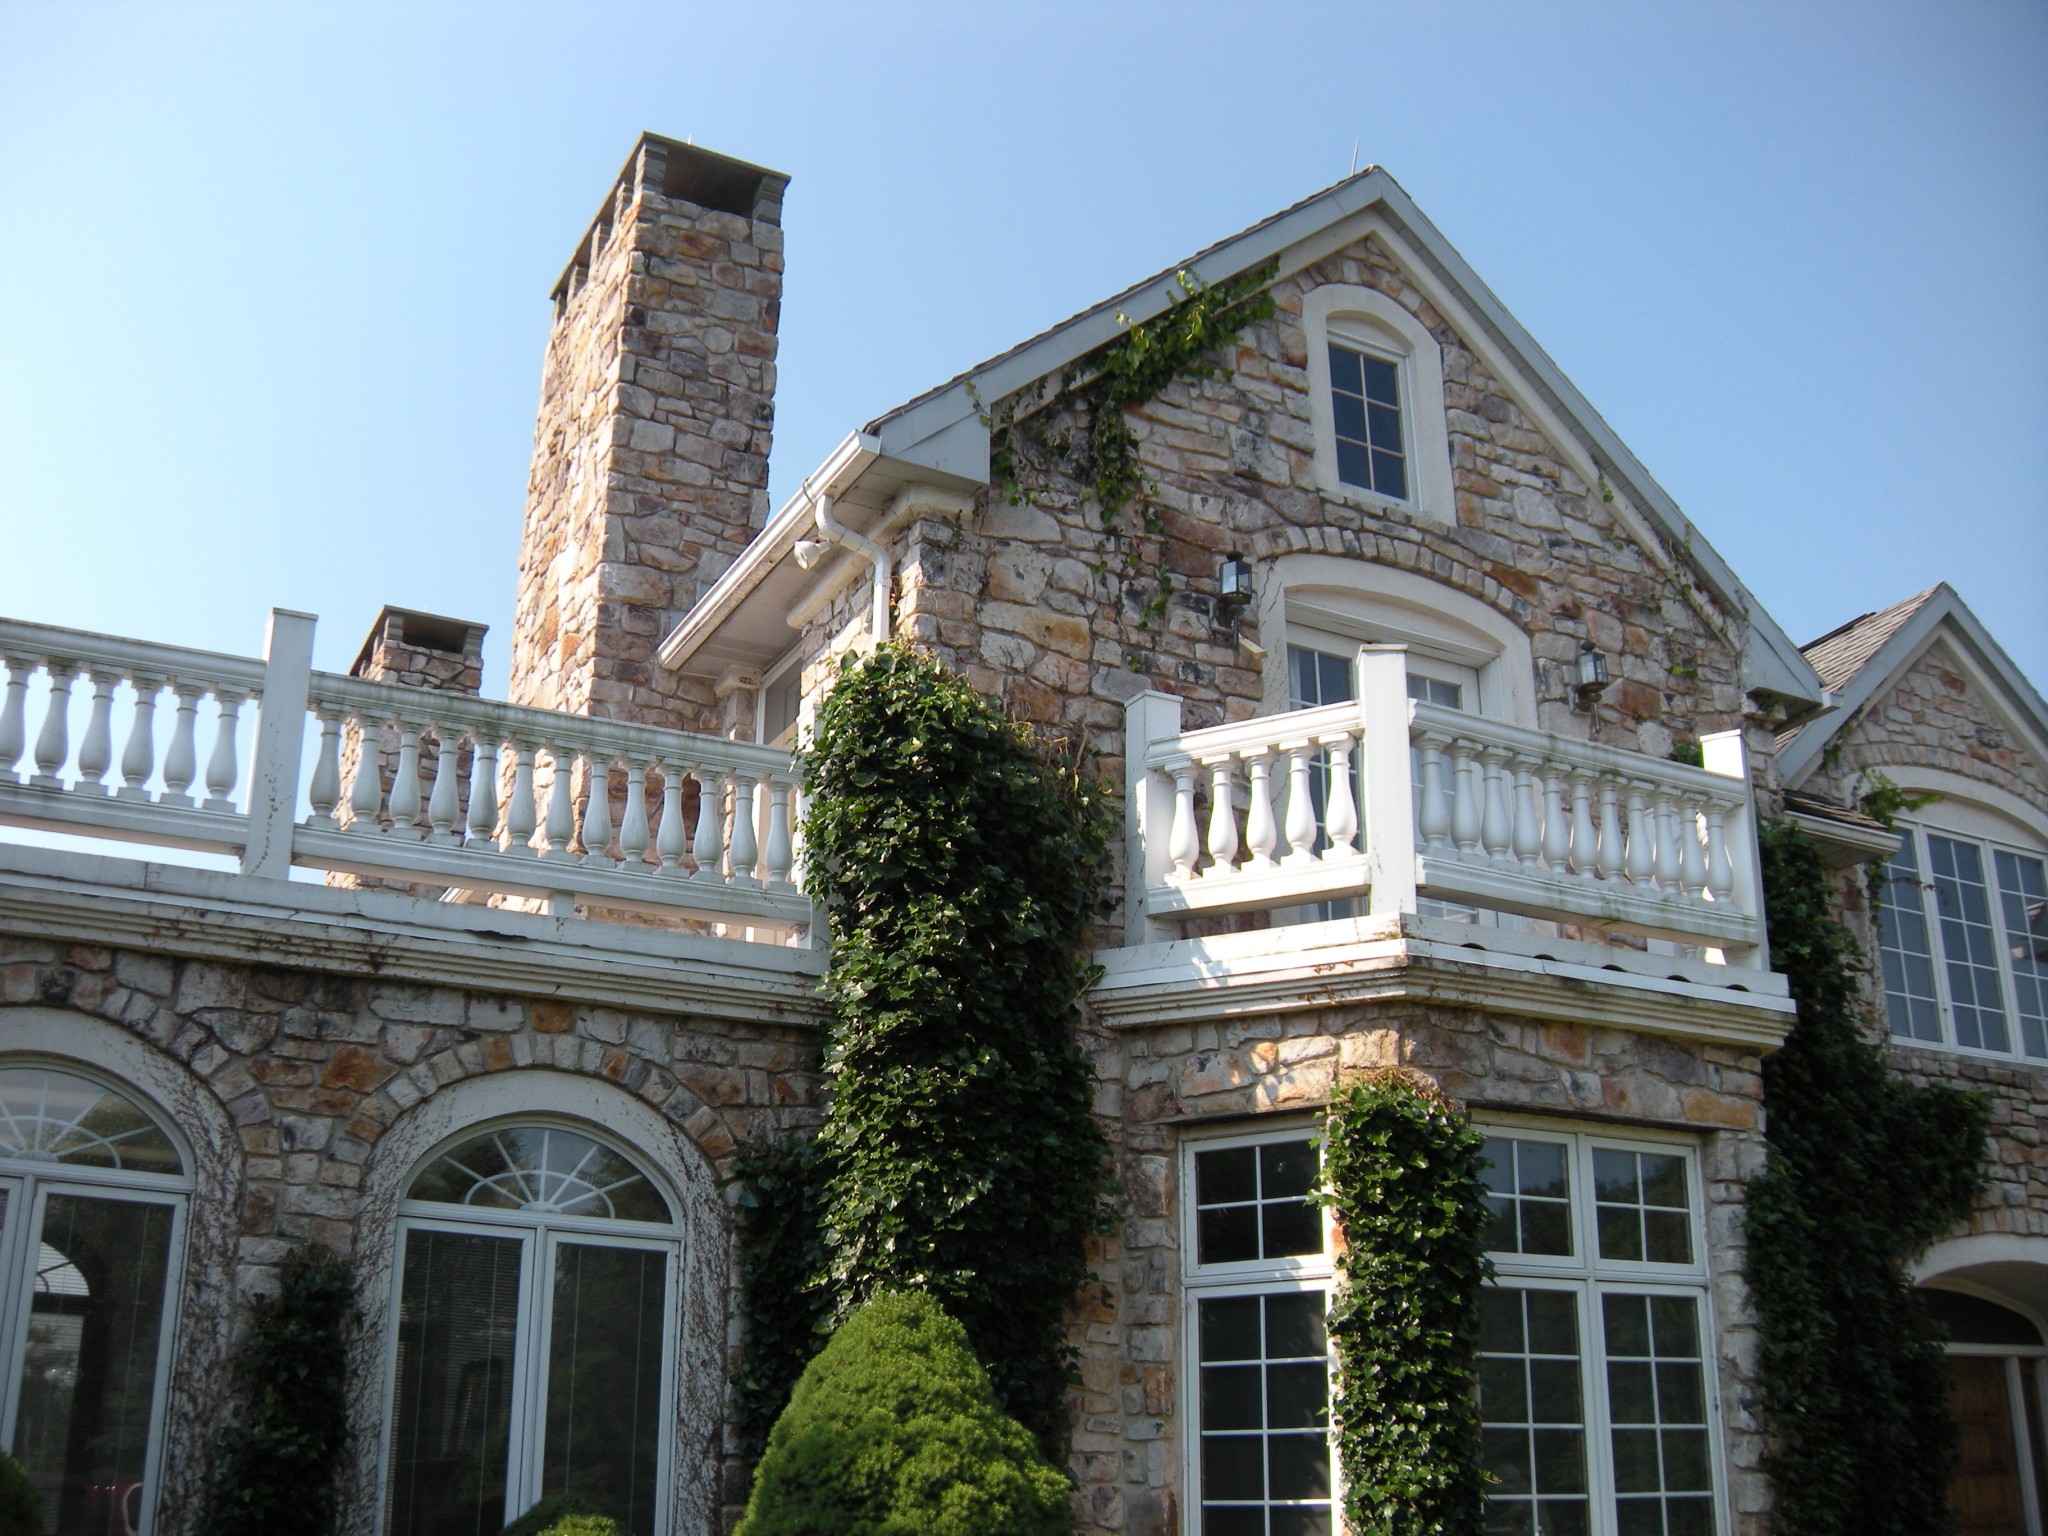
47, 1116
542, 1169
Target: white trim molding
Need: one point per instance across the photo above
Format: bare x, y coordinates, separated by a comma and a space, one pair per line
1367, 319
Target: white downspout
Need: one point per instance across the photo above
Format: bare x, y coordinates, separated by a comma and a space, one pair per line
875, 554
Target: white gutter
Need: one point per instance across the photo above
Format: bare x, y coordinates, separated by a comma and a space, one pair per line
910, 503
842, 467
875, 554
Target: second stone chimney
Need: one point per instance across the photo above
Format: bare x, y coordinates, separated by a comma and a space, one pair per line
650, 453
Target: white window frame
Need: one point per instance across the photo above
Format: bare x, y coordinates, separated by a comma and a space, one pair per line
29, 1183
1991, 835
1589, 1277
540, 1234
1366, 320
1257, 1277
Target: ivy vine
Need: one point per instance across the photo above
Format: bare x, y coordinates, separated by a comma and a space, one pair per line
958, 870
1401, 1169
1864, 1171
1185, 342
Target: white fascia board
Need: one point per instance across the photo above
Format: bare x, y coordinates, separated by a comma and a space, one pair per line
1883, 671
842, 466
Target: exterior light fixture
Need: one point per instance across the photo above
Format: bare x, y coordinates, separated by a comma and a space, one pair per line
1592, 679
1233, 584
809, 552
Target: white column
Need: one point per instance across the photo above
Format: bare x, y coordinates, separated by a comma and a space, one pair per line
280, 728
1149, 718
1383, 710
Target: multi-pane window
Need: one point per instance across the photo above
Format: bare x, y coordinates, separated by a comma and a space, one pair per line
1963, 944
1365, 411
1594, 1382
1257, 1270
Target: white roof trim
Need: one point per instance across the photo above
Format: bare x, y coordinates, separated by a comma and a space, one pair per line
1944, 610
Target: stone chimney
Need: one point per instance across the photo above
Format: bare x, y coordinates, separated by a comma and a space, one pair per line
650, 454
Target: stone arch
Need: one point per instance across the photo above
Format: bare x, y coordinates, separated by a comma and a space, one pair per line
188, 1107
662, 1145
2009, 1268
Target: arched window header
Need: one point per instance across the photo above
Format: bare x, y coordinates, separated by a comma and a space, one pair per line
544, 1170
1376, 389
50, 1116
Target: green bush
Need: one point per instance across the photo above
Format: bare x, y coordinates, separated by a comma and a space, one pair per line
1401, 1166
1865, 1170
550, 1514
893, 1431
21, 1510
276, 1469
585, 1525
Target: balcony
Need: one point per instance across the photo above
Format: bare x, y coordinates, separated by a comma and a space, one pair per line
470, 797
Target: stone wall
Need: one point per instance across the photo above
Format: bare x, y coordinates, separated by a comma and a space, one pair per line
1159, 1083
314, 1080
650, 452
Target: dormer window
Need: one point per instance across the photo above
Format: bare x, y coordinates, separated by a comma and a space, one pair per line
1365, 418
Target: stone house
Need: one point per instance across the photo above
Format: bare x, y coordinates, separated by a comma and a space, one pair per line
1443, 737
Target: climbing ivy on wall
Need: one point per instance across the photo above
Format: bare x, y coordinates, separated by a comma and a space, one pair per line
1401, 1171
1098, 392
958, 870
1864, 1171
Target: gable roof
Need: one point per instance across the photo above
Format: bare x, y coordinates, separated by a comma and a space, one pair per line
941, 433
1864, 657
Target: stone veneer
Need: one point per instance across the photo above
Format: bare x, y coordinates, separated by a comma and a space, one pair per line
650, 450
288, 1081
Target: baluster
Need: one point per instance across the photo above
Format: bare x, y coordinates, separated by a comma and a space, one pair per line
1557, 832
181, 762
741, 850
483, 791
1465, 807
1692, 869
633, 825
96, 751
1260, 834
224, 766
405, 782
670, 841
1301, 807
1669, 861
559, 825
443, 811
1340, 815
1610, 831
365, 792
53, 742
1528, 815
520, 815
13, 714
597, 808
1585, 837
1720, 871
1642, 853
1222, 819
138, 757
1496, 827
1183, 843
778, 855
1434, 823
323, 793
705, 851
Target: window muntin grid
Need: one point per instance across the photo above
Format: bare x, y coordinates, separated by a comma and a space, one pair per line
1964, 950
542, 1169
1611, 1281
1264, 1414
1365, 415
1529, 1193
50, 1116
1252, 1202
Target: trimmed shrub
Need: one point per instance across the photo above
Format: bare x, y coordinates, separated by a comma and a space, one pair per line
21, 1509
544, 1518
1401, 1165
276, 1469
893, 1431
585, 1525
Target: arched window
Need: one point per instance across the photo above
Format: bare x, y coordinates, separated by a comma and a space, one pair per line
92, 1213
1376, 390
534, 1337
1996, 1389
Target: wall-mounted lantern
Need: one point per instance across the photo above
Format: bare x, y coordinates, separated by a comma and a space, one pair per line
1592, 679
1233, 585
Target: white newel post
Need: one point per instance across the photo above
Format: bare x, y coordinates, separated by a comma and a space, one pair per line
1149, 718
1723, 753
1389, 794
274, 759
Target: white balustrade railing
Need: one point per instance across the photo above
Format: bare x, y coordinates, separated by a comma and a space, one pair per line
1390, 800
408, 784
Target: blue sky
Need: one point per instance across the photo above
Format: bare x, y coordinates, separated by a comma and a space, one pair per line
277, 274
